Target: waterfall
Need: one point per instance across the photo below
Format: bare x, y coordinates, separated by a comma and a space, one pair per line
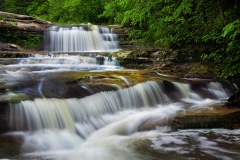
124, 121
120, 123
87, 114
80, 38
66, 59
61, 62
48, 113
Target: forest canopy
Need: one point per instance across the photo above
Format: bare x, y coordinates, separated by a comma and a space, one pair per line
212, 26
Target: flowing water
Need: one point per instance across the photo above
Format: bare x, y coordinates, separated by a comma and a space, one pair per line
130, 123
81, 38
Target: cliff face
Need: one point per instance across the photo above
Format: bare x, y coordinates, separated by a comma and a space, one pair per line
22, 22
20, 29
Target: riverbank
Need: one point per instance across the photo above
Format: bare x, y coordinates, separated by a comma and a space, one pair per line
27, 33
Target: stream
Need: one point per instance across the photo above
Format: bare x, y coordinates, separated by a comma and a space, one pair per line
70, 106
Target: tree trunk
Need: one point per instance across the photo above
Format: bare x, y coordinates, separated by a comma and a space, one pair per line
221, 11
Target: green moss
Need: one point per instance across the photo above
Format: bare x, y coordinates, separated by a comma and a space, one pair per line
14, 98
21, 37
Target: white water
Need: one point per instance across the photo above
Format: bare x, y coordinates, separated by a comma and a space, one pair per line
79, 39
70, 48
58, 63
118, 125
61, 59
127, 124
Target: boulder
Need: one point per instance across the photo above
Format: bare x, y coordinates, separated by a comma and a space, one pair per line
234, 100
9, 47
212, 117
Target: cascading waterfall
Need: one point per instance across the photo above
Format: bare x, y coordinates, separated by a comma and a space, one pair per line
107, 124
147, 94
82, 38
62, 114
123, 123
68, 49
65, 59
61, 62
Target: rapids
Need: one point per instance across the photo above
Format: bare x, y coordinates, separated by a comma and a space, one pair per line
124, 122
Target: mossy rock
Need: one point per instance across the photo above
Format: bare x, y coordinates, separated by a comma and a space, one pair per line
13, 98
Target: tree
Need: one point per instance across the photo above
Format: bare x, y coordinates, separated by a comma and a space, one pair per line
211, 27
15, 6
63, 11
188, 24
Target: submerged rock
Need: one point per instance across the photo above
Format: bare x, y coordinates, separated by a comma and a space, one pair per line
10, 145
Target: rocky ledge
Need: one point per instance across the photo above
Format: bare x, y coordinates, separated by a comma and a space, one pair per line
20, 29
22, 22
212, 117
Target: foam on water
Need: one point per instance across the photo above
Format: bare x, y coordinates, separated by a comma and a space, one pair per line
131, 123
128, 124
80, 39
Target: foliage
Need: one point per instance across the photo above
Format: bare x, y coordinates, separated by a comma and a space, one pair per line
8, 55
21, 38
228, 56
180, 24
185, 24
15, 6
62, 11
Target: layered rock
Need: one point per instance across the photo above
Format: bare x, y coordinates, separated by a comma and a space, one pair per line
212, 117
22, 22
9, 47
15, 28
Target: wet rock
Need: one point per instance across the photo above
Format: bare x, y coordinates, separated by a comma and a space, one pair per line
13, 97
4, 118
8, 47
100, 60
220, 117
234, 100
10, 145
